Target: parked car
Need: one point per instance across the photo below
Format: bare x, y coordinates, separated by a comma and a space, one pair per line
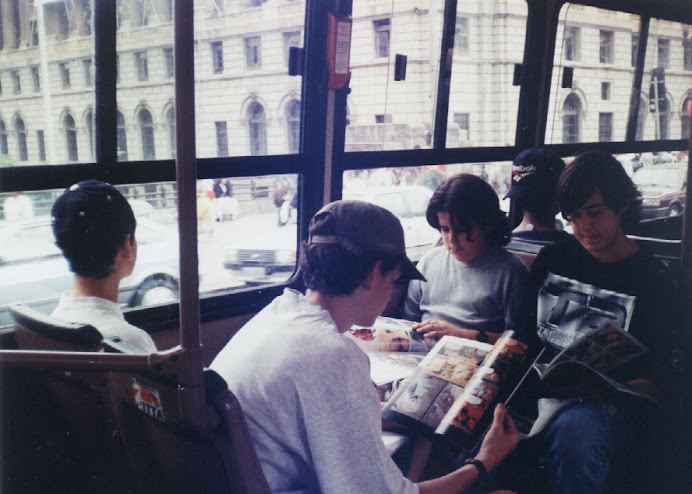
33, 270
269, 254
663, 190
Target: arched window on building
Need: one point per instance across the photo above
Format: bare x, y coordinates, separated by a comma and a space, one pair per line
20, 130
570, 119
170, 125
90, 131
293, 123
146, 127
3, 138
70, 137
685, 116
122, 137
258, 130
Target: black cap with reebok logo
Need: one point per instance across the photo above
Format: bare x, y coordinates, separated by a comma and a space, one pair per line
535, 171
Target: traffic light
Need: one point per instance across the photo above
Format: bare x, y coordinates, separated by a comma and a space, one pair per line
657, 90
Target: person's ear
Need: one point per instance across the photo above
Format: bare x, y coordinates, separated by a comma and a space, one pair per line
626, 207
128, 247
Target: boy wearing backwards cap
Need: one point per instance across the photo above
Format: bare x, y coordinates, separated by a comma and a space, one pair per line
534, 178
94, 226
305, 388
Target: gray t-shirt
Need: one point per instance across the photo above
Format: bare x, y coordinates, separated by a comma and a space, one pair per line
491, 293
311, 408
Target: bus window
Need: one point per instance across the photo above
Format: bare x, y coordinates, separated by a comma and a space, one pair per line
247, 231
247, 104
596, 44
668, 63
483, 103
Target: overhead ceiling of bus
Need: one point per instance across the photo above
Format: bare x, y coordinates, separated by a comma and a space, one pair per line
678, 10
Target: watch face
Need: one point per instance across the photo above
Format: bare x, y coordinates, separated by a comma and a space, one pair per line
482, 336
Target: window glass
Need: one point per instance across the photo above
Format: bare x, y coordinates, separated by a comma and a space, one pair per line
482, 75
44, 83
247, 231
406, 191
587, 112
255, 96
592, 110
247, 237
384, 114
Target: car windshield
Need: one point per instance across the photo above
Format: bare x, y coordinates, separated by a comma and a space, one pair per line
666, 177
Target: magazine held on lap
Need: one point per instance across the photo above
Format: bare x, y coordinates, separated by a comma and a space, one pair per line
452, 390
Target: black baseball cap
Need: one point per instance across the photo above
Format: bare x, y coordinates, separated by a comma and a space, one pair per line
362, 227
535, 171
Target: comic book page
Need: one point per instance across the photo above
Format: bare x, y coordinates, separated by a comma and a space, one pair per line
582, 368
391, 335
568, 309
388, 367
454, 385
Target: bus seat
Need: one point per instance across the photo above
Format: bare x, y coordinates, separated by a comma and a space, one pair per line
84, 431
172, 455
35, 330
526, 251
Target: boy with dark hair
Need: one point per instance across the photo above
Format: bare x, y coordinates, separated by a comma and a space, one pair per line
535, 173
476, 288
589, 439
305, 388
94, 226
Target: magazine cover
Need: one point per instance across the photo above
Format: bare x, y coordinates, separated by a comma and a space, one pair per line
568, 309
391, 335
451, 390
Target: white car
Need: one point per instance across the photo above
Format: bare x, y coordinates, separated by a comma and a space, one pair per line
269, 254
33, 270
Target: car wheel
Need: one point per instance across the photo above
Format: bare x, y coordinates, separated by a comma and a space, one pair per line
157, 289
675, 210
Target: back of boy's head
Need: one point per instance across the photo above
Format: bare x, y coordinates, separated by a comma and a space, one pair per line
535, 173
346, 239
598, 170
90, 222
470, 201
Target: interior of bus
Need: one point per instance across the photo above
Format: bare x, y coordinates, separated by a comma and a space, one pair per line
227, 124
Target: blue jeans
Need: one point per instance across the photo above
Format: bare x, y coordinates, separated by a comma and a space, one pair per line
589, 442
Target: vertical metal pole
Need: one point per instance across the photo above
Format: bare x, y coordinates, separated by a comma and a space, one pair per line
106, 109
186, 173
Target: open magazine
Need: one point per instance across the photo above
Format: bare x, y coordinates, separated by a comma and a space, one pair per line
395, 349
584, 330
391, 335
583, 368
451, 392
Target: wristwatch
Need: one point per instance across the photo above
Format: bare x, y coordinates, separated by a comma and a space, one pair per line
482, 471
482, 336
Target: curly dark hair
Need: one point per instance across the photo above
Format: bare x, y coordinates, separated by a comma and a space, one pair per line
470, 201
598, 170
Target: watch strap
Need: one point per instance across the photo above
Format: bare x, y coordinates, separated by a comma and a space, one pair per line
482, 471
